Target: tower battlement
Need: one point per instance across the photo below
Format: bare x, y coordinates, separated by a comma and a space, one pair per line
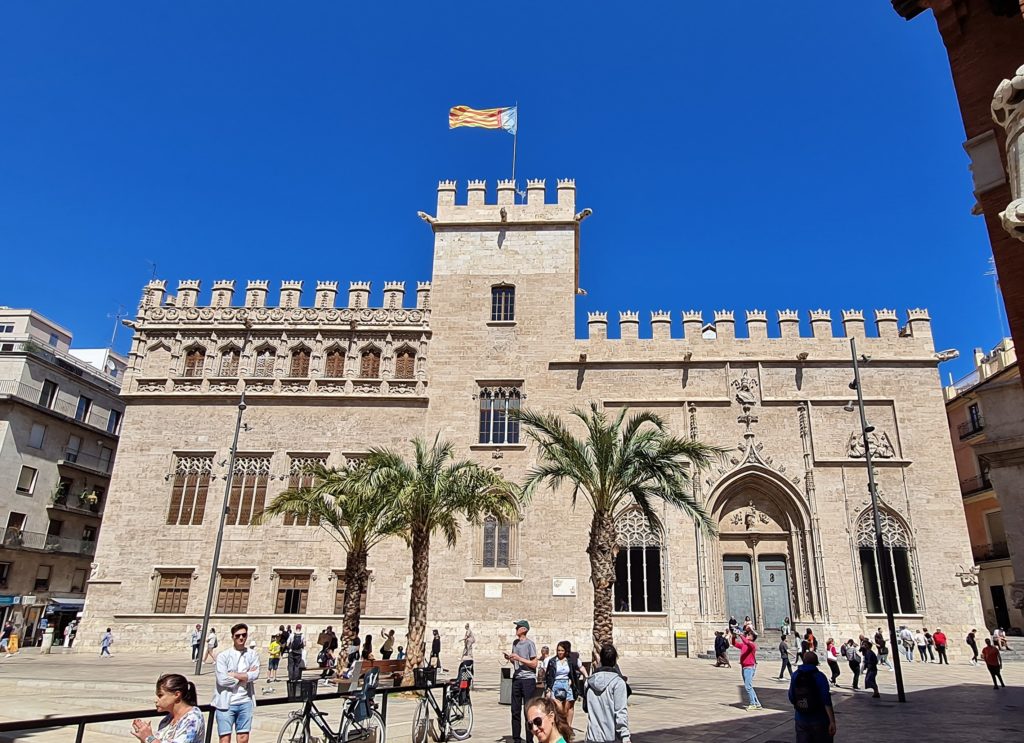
477, 208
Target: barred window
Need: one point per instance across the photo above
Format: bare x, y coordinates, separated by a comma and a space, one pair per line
369, 363
335, 363
265, 362
497, 536
339, 594
496, 425
172, 592
248, 489
194, 359
292, 593
299, 478
896, 558
233, 593
503, 303
405, 363
638, 580
188, 494
300, 363
229, 362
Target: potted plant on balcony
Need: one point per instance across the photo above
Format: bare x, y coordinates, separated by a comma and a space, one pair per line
90, 498
59, 496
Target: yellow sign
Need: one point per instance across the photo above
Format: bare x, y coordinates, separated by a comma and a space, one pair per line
680, 635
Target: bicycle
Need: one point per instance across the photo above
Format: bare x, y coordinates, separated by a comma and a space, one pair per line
360, 720
454, 716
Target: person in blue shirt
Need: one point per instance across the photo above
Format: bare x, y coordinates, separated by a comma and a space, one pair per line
809, 694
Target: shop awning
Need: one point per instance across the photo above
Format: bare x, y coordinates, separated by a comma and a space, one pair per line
8, 600
66, 604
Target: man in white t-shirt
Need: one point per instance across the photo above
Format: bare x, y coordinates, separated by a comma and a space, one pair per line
235, 693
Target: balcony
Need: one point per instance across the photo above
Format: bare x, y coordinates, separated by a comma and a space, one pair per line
31, 540
973, 485
78, 503
34, 394
89, 462
987, 552
971, 428
67, 362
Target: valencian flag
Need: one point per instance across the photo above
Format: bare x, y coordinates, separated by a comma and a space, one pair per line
485, 118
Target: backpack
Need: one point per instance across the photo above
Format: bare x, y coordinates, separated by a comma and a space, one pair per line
806, 698
843, 650
295, 644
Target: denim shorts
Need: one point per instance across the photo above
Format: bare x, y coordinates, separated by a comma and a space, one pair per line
562, 690
273, 663
237, 716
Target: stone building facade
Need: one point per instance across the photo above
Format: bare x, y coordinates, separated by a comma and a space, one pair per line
494, 330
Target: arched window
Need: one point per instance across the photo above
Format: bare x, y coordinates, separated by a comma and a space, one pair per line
369, 363
497, 538
503, 303
895, 558
229, 362
638, 583
405, 363
497, 426
334, 364
195, 357
265, 362
300, 363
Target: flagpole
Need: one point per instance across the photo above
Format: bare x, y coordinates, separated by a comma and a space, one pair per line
515, 138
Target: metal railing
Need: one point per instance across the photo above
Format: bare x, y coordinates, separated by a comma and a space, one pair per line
66, 361
34, 394
994, 551
91, 461
972, 485
34, 540
967, 381
970, 427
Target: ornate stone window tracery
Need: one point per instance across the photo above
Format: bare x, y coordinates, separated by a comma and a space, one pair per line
195, 358
300, 362
265, 358
298, 477
497, 424
229, 359
369, 363
497, 540
191, 486
897, 558
405, 363
334, 365
639, 586
248, 489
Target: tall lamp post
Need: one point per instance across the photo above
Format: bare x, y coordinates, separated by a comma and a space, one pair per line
888, 589
228, 480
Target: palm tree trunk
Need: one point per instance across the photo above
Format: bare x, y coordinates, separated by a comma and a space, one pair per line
417, 601
356, 577
602, 575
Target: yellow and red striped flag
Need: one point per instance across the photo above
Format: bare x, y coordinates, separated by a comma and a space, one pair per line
485, 118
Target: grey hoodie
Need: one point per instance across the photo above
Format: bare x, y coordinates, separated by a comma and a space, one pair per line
607, 718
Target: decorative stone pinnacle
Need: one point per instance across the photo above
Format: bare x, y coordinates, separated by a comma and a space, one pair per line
567, 183
918, 313
819, 315
629, 316
224, 284
885, 314
726, 315
757, 315
853, 315
188, 284
421, 285
597, 317
160, 284
257, 284
535, 183
789, 316
327, 285
291, 284
661, 316
693, 315
446, 185
506, 183
394, 286
359, 285
477, 185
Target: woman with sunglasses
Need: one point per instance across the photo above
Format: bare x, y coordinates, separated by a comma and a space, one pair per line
183, 720
546, 721
563, 677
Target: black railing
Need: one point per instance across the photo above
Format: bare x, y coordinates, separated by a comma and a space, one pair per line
973, 485
34, 540
994, 551
88, 461
971, 427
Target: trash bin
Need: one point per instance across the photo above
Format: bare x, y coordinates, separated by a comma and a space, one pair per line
505, 690
47, 641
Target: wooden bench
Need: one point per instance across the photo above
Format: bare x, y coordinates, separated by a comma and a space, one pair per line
389, 669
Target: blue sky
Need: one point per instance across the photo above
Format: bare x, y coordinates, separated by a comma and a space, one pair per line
796, 154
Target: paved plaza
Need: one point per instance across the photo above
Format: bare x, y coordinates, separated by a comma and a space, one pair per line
673, 700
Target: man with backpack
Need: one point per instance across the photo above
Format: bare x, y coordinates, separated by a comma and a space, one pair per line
296, 646
812, 703
605, 701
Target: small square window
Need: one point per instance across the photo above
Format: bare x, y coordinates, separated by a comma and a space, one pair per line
27, 480
37, 436
6, 328
53, 339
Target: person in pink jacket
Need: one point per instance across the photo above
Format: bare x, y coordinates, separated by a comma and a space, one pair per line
748, 664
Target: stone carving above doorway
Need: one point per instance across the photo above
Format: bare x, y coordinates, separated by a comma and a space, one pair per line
881, 446
749, 517
746, 389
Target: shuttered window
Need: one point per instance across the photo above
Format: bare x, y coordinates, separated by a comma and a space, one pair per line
369, 364
292, 593
172, 593
233, 594
194, 362
298, 478
335, 365
248, 489
189, 491
229, 362
300, 363
405, 363
264, 363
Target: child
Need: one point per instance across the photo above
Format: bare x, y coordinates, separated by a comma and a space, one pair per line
401, 653
274, 655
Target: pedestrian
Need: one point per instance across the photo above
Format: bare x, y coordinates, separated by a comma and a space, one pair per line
853, 659
1003, 645
183, 721
196, 641
547, 722
542, 667
105, 643
748, 665
401, 653
5, 638
524, 679
327, 658
296, 647
564, 678
732, 626
388, 647
812, 641
747, 624
832, 657
922, 646
605, 701
784, 654
870, 668
907, 642
940, 646
809, 694
234, 696
367, 651
273, 658
883, 649
786, 627
284, 635
468, 641
972, 643
435, 650
929, 642
721, 650
211, 645
994, 663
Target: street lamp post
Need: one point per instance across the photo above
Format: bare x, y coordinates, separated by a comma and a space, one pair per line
888, 589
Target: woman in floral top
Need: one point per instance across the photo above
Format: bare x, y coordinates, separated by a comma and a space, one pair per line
183, 721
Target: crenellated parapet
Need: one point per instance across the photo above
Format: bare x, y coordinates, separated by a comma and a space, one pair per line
533, 203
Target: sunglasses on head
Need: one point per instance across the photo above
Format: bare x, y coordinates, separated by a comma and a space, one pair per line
537, 722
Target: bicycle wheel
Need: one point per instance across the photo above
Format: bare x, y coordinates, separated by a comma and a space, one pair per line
422, 726
460, 719
370, 730
294, 731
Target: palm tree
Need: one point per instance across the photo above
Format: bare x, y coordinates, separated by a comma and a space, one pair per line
357, 518
432, 494
620, 465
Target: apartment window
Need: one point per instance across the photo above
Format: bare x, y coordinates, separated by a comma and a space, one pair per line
497, 537
43, 578
265, 362
106, 453
369, 363
53, 339
72, 449
896, 559
6, 328
335, 364
88, 533
114, 422
497, 426
55, 528
974, 414
64, 487
78, 581
638, 581
339, 594
248, 489
48, 395
229, 358
5, 573
84, 407
233, 593
298, 477
300, 363
172, 592
194, 360
188, 494
15, 521
27, 480
292, 593
503, 303
405, 363
37, 436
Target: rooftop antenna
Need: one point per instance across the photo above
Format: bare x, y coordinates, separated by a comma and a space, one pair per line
999, 297
116, 317
152, 265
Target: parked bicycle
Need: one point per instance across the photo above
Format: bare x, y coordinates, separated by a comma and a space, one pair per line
454, 715
360, 720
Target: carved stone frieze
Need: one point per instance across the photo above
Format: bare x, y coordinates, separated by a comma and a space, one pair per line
297, 316
746, 389
881, 446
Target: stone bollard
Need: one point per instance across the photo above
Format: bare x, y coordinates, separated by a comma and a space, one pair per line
47, 640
